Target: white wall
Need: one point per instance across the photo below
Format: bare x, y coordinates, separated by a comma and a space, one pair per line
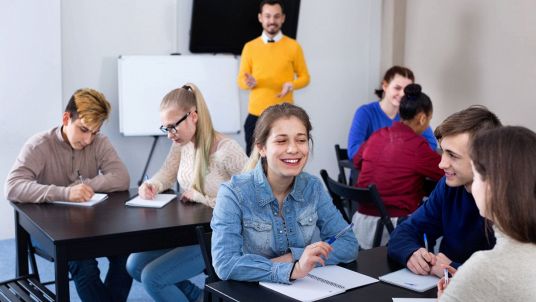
30, 81
340, 41
475, 52
342, 54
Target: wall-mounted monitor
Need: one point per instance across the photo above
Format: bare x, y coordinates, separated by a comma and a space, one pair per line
224, 26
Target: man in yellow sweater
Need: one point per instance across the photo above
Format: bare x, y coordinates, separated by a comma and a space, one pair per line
272, 66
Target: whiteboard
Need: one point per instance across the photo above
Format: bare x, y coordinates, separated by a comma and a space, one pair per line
143, 81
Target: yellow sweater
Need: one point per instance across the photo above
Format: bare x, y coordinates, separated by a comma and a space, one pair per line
272, 65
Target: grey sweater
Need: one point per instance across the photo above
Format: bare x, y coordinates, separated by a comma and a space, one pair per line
47, 166
505, 273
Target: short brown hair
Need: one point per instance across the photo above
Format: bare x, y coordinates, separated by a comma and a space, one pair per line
90, 106
471, 120
506, 159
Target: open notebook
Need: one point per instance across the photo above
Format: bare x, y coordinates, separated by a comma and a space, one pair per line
320, 283
159, 201
97, 197
405, 278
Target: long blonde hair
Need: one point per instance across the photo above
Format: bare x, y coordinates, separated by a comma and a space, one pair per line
187, 98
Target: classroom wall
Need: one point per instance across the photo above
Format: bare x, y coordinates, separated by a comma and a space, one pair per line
342, 55
474, 52
30, 82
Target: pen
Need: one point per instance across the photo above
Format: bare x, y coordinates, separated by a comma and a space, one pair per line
80, 176
425, 242
339, 234
146, 177
446, 273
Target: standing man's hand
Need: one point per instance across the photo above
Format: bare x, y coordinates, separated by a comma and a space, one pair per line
287, 87
250, 80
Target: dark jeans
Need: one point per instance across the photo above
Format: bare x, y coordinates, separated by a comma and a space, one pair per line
249, 128
86, 276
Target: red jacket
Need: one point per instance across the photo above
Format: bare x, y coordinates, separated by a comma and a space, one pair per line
397, 161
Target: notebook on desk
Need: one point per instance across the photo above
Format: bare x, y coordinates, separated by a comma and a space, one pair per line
97, 197
405, 278
320, 283
159, 201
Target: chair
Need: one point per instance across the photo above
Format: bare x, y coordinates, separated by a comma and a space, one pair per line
343, 162
370, 194
205, 238
28, 287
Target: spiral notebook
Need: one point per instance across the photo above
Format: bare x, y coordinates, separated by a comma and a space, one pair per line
321, 282
405, 278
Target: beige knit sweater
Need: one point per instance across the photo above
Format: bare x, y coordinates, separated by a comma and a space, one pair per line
228, 159
505, 273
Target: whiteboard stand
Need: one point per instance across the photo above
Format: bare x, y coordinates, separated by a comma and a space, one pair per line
155, 137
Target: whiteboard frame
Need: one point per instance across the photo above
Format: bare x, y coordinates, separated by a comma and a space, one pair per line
144, 80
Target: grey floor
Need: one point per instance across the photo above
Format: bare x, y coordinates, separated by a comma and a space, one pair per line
46, 272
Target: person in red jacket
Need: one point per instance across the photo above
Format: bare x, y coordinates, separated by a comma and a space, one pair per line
396, 159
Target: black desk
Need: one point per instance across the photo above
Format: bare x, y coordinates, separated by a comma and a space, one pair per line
108, 228
372, 262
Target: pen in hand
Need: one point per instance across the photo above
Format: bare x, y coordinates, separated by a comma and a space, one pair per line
426, 242
339, 234
80, 177
446, 273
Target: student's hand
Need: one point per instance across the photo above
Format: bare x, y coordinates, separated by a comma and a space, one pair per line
250, 80
147, 191
442, 261
187, 196
312, 254
287, 87
421, 262
441, 284
80, 193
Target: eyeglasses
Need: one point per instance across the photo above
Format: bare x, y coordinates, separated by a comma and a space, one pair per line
173, 129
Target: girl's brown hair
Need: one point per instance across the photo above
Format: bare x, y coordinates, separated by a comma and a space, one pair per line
506, 159
264, 126
390, 75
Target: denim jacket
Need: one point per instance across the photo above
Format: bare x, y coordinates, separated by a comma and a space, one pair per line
247, 231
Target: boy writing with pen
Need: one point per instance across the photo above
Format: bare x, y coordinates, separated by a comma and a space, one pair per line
450, 212
264, 219
70, 163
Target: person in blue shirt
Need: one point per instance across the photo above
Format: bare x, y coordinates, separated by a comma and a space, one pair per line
450, 211
376, 115
264, 219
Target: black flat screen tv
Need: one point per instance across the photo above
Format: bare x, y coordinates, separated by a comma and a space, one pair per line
224, 26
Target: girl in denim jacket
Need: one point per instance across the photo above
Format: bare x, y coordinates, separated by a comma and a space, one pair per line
264, 219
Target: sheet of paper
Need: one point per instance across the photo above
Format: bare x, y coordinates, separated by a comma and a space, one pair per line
405, 278
97, 197
159, 201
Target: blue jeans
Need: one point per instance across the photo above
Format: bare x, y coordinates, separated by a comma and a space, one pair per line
86, 276
164, 273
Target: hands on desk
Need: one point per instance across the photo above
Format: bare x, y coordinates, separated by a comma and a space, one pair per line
423, 262
147, 191
80, 193
313, 254
442, 283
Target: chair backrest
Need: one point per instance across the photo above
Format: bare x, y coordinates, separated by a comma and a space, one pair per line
343, 162
370, 194
205, 238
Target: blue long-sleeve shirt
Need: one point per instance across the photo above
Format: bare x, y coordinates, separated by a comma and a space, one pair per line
450, 212
369, 118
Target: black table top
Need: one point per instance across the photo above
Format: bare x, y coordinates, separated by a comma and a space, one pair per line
373, 262
66, 222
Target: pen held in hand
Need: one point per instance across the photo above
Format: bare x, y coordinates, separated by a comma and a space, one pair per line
80, 177
339, 234
446, 273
